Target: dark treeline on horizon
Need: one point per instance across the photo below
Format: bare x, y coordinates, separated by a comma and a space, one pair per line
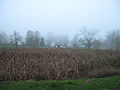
85, 38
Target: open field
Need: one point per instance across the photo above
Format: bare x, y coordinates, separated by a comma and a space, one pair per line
57, 64
109, 83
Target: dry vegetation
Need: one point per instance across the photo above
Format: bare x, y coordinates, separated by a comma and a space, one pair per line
57, 64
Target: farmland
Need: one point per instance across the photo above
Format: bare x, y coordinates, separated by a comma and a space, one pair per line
57, 63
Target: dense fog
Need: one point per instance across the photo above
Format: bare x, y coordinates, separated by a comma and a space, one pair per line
60, 23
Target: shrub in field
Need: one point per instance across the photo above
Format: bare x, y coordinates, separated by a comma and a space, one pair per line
57, 63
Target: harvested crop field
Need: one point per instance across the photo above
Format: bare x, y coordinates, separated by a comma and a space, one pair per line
57, 63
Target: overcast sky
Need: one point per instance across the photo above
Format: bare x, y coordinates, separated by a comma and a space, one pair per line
59, 16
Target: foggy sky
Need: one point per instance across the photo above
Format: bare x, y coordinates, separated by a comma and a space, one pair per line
59, 16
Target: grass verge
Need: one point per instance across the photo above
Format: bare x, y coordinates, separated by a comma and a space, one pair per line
108, 83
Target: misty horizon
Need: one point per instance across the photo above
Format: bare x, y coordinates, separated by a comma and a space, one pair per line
64, 17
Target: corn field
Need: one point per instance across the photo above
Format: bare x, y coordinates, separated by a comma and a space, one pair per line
57, 63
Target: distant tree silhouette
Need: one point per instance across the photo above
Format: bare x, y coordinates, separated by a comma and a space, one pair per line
15, 38
113, 39
42, 42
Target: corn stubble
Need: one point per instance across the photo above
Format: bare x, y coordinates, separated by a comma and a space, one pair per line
57, 63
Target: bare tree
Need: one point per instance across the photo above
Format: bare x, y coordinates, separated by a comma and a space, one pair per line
87, 37
30, 38
113, 39
15, 38
37, 38
42, 42
75, 42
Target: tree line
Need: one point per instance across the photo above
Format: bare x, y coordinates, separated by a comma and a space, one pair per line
85, 38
